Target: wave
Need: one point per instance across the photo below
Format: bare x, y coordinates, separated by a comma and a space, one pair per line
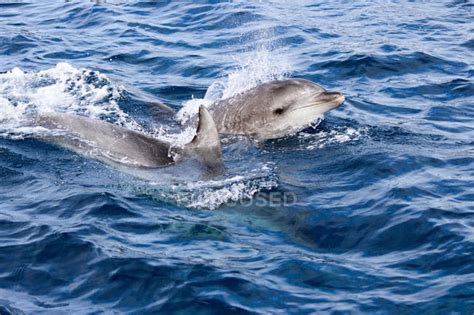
383, 66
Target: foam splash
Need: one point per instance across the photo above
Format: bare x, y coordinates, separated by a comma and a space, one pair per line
60, 89
337, 135
253, 68
211, 194
212, 198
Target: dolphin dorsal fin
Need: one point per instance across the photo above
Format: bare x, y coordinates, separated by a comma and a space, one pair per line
207, 135
206, 144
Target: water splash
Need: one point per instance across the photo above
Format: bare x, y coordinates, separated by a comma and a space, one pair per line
252, 68
59, 89
211, 194
337, 135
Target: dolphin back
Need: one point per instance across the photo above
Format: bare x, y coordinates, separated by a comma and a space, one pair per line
115, 144
105, 141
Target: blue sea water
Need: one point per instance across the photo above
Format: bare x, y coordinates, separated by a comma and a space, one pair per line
371, 211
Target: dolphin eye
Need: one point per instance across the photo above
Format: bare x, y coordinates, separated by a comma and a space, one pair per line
279, 111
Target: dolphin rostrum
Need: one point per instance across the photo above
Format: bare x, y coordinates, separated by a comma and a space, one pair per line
273, 109
114, 144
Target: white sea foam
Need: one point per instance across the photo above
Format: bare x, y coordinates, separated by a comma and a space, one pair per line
211, 194
336, 135
60, 89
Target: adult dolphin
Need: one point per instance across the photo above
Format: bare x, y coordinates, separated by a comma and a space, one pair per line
117, 145
273, 109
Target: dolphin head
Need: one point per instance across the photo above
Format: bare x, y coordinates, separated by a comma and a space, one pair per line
280, 108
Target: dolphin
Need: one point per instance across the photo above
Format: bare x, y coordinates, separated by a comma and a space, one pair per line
273, 109
114, 144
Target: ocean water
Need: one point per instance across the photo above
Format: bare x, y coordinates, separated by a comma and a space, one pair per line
370, 211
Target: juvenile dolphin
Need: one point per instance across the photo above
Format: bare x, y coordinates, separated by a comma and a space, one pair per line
273, 109
115, 144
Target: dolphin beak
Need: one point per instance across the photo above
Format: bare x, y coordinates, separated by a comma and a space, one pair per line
323, 102
331, 99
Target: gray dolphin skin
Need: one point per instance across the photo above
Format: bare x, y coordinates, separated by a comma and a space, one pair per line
117, 145
274, 109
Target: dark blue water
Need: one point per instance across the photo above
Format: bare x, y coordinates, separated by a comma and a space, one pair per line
381, 216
